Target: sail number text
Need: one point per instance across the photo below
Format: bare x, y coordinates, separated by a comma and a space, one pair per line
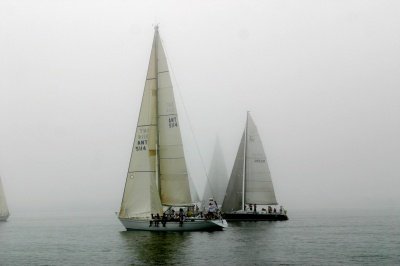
173, 122
142, 139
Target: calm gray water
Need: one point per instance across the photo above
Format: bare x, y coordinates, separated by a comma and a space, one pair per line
311, 238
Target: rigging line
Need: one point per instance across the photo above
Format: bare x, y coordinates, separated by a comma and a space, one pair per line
187, 115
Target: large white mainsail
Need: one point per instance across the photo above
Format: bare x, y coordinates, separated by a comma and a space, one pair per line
217, 177
157, 172
258, 183
173, 172
250, 174
4, 213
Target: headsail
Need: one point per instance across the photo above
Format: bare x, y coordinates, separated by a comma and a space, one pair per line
234, 191
141, 197
3, 203
258, 183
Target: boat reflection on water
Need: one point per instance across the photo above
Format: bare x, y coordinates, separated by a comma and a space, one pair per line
155, 248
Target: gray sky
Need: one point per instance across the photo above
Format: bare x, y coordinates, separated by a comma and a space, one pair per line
321, 79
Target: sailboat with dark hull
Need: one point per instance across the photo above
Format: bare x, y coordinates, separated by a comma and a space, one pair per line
157, 181
250, 193
4, 213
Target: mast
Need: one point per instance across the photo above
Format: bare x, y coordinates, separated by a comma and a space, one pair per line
157, 36
244, 160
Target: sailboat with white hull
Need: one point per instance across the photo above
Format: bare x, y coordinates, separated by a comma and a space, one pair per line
4, 213
250, 193
157, 181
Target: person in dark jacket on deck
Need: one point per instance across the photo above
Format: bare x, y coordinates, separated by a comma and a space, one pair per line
181, 217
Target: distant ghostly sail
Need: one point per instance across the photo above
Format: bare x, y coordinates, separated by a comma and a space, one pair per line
193, 191
250, 181
217, 177
4, 213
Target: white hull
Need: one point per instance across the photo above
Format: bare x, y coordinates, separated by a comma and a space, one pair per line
188, 225
3, 218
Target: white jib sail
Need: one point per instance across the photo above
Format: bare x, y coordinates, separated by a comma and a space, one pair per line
173, 172
258, 183
141, 196
217, 177
3, 203
234, 191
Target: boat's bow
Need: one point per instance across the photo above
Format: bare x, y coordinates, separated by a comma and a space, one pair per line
221, 223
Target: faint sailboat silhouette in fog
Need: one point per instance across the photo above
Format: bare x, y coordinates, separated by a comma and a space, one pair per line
217, 178
4, 212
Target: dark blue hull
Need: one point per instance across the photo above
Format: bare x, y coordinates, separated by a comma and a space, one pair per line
255, 217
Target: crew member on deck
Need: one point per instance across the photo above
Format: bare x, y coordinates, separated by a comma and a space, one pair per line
157, 221
181, 217
211, 210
